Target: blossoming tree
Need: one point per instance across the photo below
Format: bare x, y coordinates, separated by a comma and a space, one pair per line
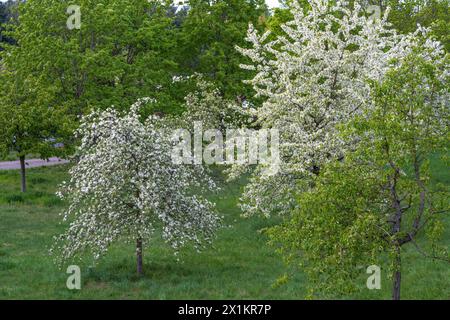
313, 78
384, 198
124, 185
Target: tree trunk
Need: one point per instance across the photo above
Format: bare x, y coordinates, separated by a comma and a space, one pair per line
22, 174
397, 275
139, 255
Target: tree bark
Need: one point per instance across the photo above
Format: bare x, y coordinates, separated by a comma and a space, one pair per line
139, 256
397, 275
22, 174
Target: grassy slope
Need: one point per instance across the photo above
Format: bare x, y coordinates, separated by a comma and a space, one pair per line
238, 266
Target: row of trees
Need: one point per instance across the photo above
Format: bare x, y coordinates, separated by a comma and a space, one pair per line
124, 50
360, 107
127, 50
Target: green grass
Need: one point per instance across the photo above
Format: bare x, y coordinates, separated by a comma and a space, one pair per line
239, 265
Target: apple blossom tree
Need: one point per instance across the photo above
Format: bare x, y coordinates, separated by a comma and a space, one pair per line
125, 185
313, 77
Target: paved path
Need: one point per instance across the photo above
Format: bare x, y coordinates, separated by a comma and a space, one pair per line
31, 163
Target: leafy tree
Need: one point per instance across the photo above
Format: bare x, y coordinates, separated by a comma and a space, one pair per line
312, 79
434, 14
209, 35
125, 185
30, 122
3, 19
381, 197
121, 52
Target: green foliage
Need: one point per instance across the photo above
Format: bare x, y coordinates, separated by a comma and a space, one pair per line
405, 15
363, 209
335, 231
29, 119
123, 51
6, 14
210, 33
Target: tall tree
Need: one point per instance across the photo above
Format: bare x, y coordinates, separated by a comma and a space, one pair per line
122, 51
381, 198
211, 31
3, 19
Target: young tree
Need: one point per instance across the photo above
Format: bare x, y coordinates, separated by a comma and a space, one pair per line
125, 185
381, 197
206, 104
313, 77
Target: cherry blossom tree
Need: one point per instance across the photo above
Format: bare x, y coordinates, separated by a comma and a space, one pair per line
124, 186
313, 79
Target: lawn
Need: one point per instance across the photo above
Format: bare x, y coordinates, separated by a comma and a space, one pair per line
239, 265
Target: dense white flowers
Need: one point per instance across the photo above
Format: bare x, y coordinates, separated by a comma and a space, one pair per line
313, 78
124, 186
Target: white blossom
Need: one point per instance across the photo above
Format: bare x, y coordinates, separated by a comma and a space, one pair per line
124, 186
313, 78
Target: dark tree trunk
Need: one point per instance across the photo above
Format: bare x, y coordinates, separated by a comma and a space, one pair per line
139, 256
397, 275
22, 174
